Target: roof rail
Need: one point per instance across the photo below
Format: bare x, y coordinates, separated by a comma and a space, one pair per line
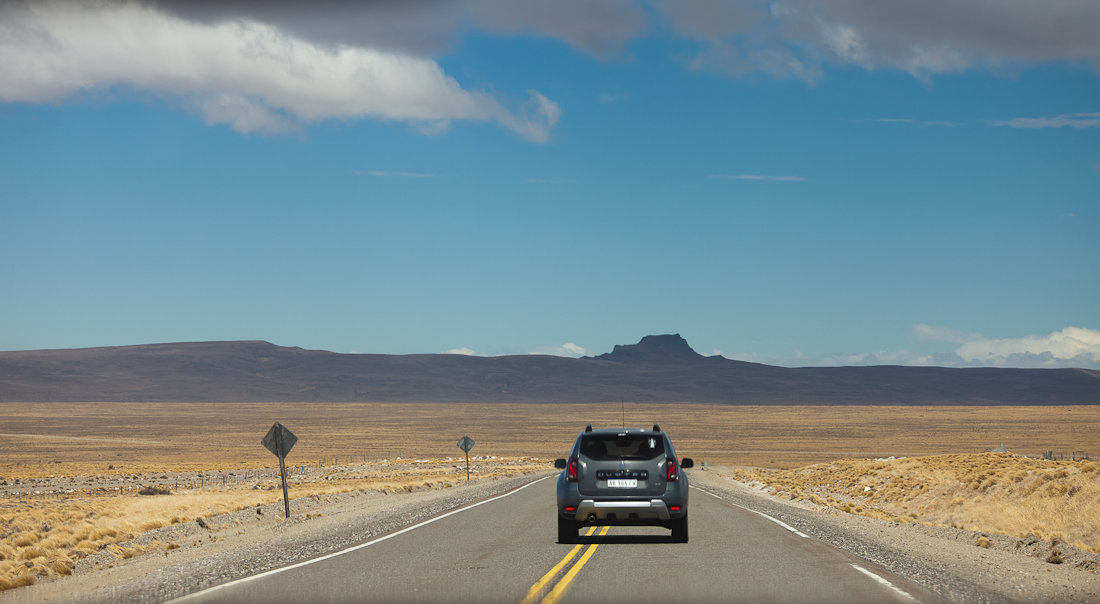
656, 428
588, 428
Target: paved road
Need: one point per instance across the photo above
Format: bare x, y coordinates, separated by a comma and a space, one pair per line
505, 550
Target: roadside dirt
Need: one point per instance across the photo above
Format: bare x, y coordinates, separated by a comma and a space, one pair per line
960, 565
184, 558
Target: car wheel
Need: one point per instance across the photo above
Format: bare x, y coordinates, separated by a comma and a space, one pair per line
567, 530
680, 529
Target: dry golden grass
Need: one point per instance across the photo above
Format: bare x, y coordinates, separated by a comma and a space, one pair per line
85, 438
990, 492
52, 534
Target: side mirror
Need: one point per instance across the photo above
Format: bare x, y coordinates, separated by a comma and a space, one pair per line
559, 464
686, 463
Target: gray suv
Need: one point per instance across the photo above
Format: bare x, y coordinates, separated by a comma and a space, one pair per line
622, 477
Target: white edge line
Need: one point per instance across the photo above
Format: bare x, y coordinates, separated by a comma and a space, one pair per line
870, 574
775, 520
352, 548
884, 582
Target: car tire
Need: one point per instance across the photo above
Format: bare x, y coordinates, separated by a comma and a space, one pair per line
567, 530
680, 529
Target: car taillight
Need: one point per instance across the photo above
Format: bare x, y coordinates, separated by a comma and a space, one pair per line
673, 475
571, 471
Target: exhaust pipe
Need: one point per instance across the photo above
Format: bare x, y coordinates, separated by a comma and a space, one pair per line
592, 518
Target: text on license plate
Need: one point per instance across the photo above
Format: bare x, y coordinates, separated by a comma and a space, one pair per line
622, 483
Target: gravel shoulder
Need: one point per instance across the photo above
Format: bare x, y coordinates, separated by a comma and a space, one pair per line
251, 541
945, 560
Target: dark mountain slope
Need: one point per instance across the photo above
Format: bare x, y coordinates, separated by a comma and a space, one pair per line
657, 369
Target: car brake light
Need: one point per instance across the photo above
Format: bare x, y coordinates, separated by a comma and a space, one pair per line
674, 508
673, 476
571, 471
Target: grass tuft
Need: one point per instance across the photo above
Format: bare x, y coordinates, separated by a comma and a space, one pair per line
23, 579
25, 539
63, 567
151, 490
31, 553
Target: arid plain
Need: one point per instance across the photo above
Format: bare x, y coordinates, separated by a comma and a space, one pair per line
84, 438
76, 448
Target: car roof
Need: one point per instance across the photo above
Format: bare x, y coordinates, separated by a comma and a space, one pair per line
606, 431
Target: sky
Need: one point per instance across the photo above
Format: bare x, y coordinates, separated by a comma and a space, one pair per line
798, 183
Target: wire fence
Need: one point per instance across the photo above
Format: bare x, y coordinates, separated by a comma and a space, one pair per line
1071, 456
184, 483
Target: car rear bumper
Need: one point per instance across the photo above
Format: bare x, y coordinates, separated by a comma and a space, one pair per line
618, 511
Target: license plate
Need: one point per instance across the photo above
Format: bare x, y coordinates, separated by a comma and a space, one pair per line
622, 483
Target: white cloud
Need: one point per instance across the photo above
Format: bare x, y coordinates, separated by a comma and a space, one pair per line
882, 357
756, 177
241, 72
565, 350
1074, 120
942, 334
1063, 348
923, 123
574, 349
462, 351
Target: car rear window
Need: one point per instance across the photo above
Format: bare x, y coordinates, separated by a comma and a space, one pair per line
602, 447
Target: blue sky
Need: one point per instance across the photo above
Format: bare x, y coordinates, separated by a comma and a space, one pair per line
796, 183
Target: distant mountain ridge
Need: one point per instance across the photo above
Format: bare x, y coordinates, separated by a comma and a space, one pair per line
653, 349
659, 368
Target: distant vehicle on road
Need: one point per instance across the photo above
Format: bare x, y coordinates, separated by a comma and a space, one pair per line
622, 477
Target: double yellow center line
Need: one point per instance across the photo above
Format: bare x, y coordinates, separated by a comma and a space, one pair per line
559, 589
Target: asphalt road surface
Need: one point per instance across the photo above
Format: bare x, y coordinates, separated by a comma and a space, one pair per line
505, 549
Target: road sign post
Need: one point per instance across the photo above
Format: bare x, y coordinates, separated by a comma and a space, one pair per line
466, 443
279, 441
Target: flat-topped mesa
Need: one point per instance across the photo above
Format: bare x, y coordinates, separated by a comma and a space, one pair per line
653, 349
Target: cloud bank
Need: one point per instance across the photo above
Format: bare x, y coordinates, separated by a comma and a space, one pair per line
463, 351
276, 66
242, 72
565, 350
1073, 347
784, 38
794, 38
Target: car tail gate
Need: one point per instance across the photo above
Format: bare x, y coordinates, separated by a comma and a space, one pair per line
622, 464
